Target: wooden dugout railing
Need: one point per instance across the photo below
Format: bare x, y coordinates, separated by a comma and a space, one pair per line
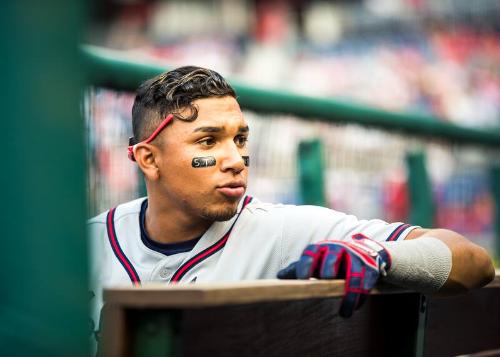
295, 318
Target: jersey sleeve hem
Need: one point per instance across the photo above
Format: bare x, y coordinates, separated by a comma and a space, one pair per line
400, 232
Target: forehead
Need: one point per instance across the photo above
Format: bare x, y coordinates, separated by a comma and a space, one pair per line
218, 111
221, 113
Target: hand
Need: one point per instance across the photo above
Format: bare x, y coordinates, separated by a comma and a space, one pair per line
360, 262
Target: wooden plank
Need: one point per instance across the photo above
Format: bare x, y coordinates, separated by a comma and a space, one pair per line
489, 353
310, 327
276, 317
115, 331
463, 324
212, 294
204, 294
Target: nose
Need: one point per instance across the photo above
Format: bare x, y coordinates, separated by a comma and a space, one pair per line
231, 159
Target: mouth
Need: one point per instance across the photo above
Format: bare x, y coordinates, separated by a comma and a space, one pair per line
233, 189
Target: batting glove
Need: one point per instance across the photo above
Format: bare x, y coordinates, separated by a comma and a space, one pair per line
360, 262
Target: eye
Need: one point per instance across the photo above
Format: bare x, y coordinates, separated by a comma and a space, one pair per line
207, 142
241, 140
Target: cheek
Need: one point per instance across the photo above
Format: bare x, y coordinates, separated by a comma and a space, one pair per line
190, 167
203, 162
194, 171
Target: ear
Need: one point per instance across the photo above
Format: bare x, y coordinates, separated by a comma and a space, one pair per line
146, 156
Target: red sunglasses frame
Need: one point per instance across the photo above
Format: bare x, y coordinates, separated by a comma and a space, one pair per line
163, 124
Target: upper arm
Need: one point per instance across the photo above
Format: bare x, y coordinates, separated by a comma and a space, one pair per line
416, 233
303, 225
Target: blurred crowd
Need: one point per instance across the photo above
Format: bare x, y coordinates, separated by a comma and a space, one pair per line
439, 58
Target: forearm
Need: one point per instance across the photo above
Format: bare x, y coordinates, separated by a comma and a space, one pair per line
471, 265
443, 262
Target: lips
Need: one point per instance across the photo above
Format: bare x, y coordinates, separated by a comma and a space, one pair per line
234, 189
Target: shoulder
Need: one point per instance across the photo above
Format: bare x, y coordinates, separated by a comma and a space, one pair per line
313, 213
97, 226
315, 223
292, 216
259, 211
257, 206
99, 246
121, 211
292, 210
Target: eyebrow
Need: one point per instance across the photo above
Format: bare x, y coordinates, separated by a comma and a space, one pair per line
218, 129
208, 129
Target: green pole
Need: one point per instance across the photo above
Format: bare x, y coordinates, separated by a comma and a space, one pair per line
43, 300
421, 201
495, 189
311, 176
112, 69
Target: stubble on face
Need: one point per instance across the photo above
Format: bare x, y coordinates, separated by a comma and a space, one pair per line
219, 215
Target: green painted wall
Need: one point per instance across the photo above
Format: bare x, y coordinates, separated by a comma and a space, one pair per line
43, 300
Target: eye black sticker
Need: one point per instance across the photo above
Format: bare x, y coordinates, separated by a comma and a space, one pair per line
203, 161
246, 160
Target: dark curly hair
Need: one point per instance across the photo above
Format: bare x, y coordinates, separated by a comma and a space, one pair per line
171, 93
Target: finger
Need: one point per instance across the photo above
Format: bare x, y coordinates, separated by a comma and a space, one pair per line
360, 279
361, 300
331, 263
309, 262
301, 269
288, 272
305, 267
368, 279
348, 304
353, 285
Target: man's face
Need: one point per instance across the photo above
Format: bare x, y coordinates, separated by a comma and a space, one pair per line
220, 132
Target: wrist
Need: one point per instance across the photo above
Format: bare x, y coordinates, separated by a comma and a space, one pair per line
375, 250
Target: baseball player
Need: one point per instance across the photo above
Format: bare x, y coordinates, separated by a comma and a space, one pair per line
198, 225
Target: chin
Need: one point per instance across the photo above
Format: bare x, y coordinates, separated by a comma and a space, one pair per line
220, 214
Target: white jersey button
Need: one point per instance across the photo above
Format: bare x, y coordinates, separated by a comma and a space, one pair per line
165, 273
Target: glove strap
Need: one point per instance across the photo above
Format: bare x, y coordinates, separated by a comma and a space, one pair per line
374, 249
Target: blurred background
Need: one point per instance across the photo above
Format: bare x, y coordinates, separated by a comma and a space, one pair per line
436, 59
380, 108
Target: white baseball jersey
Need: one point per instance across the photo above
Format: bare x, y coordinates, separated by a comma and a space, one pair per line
256, 243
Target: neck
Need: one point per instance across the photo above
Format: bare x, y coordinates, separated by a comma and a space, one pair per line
169, 225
